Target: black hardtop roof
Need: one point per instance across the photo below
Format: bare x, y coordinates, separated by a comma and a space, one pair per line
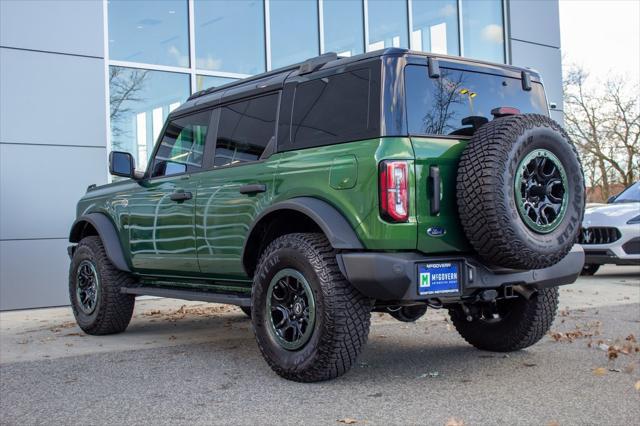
277, 77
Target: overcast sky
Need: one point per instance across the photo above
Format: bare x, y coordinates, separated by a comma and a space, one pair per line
602, 36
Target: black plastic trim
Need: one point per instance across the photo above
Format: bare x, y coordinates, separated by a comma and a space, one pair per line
201, 296
107, 233
393, 276
335, 227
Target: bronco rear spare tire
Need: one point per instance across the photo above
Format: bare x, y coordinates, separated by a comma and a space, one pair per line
520, 190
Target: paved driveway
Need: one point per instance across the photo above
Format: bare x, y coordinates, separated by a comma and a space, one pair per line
196, 363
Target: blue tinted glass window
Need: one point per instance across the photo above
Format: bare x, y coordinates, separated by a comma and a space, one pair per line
294, 31
387, 24
230, 36
149, 32
140, 101
435, 26
342, 26
483, 30
207, 81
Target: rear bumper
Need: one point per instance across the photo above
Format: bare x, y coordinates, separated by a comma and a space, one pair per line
394, 276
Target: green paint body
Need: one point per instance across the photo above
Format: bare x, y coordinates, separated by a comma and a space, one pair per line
201, 239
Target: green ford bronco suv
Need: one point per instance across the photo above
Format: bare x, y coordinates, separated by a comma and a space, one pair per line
314, 194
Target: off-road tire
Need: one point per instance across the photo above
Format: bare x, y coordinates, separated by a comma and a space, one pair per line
246, 310
409, 313
487, 201
342, 318
113, 309
528, 321
589, 269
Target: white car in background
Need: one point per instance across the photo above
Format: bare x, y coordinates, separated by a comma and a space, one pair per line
611, 232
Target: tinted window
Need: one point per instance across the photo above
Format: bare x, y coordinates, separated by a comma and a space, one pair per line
387, 24
435, 26
140, 101
437, 106
245, 129
294, 31
342, 21
629, 195
182, 145
482, 30
239, 20
149, 32
331, 109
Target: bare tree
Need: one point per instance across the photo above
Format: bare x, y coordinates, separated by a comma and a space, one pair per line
604, 122
124, 90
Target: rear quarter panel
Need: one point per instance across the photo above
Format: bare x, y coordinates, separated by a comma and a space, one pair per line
346, 176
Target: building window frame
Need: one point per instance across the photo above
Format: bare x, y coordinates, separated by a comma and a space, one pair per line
193, 71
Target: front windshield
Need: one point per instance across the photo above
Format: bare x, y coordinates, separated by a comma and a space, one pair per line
629, 195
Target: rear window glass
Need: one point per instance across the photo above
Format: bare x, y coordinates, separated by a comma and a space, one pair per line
331, 109
437, 106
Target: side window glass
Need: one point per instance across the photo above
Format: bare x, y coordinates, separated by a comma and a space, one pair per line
182, 146
245, 129
331, 109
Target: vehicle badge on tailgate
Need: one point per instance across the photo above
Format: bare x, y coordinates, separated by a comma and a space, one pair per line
436, 231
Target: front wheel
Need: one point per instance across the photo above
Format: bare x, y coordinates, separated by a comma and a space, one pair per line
510, 324
309, 322
94, 290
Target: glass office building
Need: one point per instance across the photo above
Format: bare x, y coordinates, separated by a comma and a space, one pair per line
81, 78
160, 52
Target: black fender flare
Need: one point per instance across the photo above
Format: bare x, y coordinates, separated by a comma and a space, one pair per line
107, 233
333, 224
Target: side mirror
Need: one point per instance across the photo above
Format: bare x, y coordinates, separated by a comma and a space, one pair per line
612, 199
122, 164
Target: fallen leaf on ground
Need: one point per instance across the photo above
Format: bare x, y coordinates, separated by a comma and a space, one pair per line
529, 364
637, 385
348, 421
454, 422
631, 338
600, 371
75, 334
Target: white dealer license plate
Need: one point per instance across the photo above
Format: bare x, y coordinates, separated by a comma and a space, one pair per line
438, 278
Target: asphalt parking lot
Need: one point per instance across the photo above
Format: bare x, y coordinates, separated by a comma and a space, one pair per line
182, 362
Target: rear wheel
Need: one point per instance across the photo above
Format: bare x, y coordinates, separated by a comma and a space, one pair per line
309, 322
589, 269
508, 325
94, 290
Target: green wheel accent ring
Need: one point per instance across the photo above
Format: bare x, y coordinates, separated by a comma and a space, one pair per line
541, 190
291, 309
87, 287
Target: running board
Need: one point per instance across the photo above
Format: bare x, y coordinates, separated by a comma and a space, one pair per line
201, 296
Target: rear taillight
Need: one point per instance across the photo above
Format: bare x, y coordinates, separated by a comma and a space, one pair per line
394, 191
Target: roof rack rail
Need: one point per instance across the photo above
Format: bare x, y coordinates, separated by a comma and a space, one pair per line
304, 67
312, 64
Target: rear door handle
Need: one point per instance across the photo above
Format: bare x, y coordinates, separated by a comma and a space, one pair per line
253, 188
434, 189
181, 196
